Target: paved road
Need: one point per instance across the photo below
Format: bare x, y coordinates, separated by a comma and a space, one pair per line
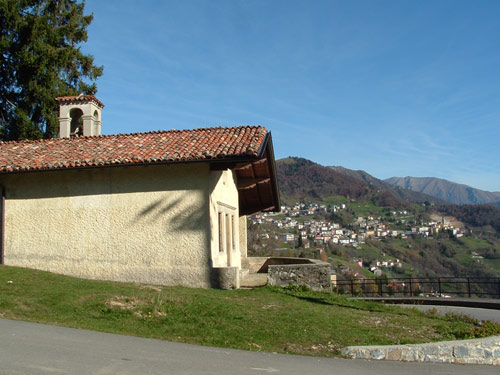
30, 348
477, 313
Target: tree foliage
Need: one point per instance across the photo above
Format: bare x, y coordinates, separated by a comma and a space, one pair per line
40, 45
474, 215
301, 178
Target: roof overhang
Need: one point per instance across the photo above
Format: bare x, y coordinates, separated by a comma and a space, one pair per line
256, 180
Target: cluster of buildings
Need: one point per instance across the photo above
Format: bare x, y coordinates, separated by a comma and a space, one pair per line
378, 266
298, 225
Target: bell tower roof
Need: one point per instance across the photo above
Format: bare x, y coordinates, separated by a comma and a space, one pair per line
79, 99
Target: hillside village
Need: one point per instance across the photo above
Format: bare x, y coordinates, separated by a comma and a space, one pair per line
306, 225
324, 231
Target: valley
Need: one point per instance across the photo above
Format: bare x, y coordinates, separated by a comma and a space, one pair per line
366, 231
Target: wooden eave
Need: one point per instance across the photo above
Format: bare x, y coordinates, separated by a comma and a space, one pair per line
256, 180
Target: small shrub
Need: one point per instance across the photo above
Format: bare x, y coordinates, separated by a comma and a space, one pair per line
297, 288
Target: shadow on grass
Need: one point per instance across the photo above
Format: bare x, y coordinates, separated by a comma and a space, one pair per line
325, 301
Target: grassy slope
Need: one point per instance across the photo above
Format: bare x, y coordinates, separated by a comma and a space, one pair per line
268, 319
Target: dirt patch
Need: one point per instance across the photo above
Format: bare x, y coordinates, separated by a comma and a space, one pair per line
153, 287
267, 307
122, 302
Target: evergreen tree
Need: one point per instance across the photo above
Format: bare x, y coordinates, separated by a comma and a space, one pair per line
40, 43
300, 242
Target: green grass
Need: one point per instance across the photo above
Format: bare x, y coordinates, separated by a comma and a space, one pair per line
365, 209
494, 264
367, 251
474, 242
266, 319
279, 217
336, 261
333, 199
303, 218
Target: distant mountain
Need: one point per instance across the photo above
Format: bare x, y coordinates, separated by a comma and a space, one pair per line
303, 179
446, 190
402, 193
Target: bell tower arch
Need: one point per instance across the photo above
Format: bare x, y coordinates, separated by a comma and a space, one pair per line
79, 116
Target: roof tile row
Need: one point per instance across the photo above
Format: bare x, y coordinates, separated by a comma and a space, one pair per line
151, 147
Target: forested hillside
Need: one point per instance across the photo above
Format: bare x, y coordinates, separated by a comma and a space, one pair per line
357, 222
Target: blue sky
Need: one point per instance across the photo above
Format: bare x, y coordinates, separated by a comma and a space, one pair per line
396, 88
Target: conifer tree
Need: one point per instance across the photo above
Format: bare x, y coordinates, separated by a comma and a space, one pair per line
300, 242
40, 46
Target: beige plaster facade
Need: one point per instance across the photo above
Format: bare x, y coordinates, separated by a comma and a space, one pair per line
224, 219
158, 224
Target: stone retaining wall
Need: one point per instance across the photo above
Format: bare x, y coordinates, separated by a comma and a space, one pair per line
315, 275
478, 351
253, 264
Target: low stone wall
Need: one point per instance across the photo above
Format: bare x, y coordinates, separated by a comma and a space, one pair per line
280, 261
478, 351
315, 275
253, 264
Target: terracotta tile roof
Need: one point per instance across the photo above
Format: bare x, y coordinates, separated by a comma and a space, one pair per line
79, 99
152, 147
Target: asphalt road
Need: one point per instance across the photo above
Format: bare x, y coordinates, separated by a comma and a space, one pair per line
477, 313
30, 348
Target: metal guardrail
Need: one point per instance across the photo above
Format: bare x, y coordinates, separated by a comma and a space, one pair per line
485, 287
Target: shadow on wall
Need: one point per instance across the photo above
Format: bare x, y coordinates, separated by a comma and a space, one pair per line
164, 199
195, 220
178, 216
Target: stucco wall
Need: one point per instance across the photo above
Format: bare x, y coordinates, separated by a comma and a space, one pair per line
146, 224
224, 200
243, 238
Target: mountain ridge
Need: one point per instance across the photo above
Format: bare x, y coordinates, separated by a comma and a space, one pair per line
446, 190
403, 193
300, 178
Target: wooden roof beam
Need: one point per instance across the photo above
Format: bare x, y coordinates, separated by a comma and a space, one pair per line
260, 209
241, 167
247, 183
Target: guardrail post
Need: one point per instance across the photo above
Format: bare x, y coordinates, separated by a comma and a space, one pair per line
352, 288
439, 287
468, 286
411, 289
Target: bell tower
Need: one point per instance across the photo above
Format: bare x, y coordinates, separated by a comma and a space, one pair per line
79, 116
